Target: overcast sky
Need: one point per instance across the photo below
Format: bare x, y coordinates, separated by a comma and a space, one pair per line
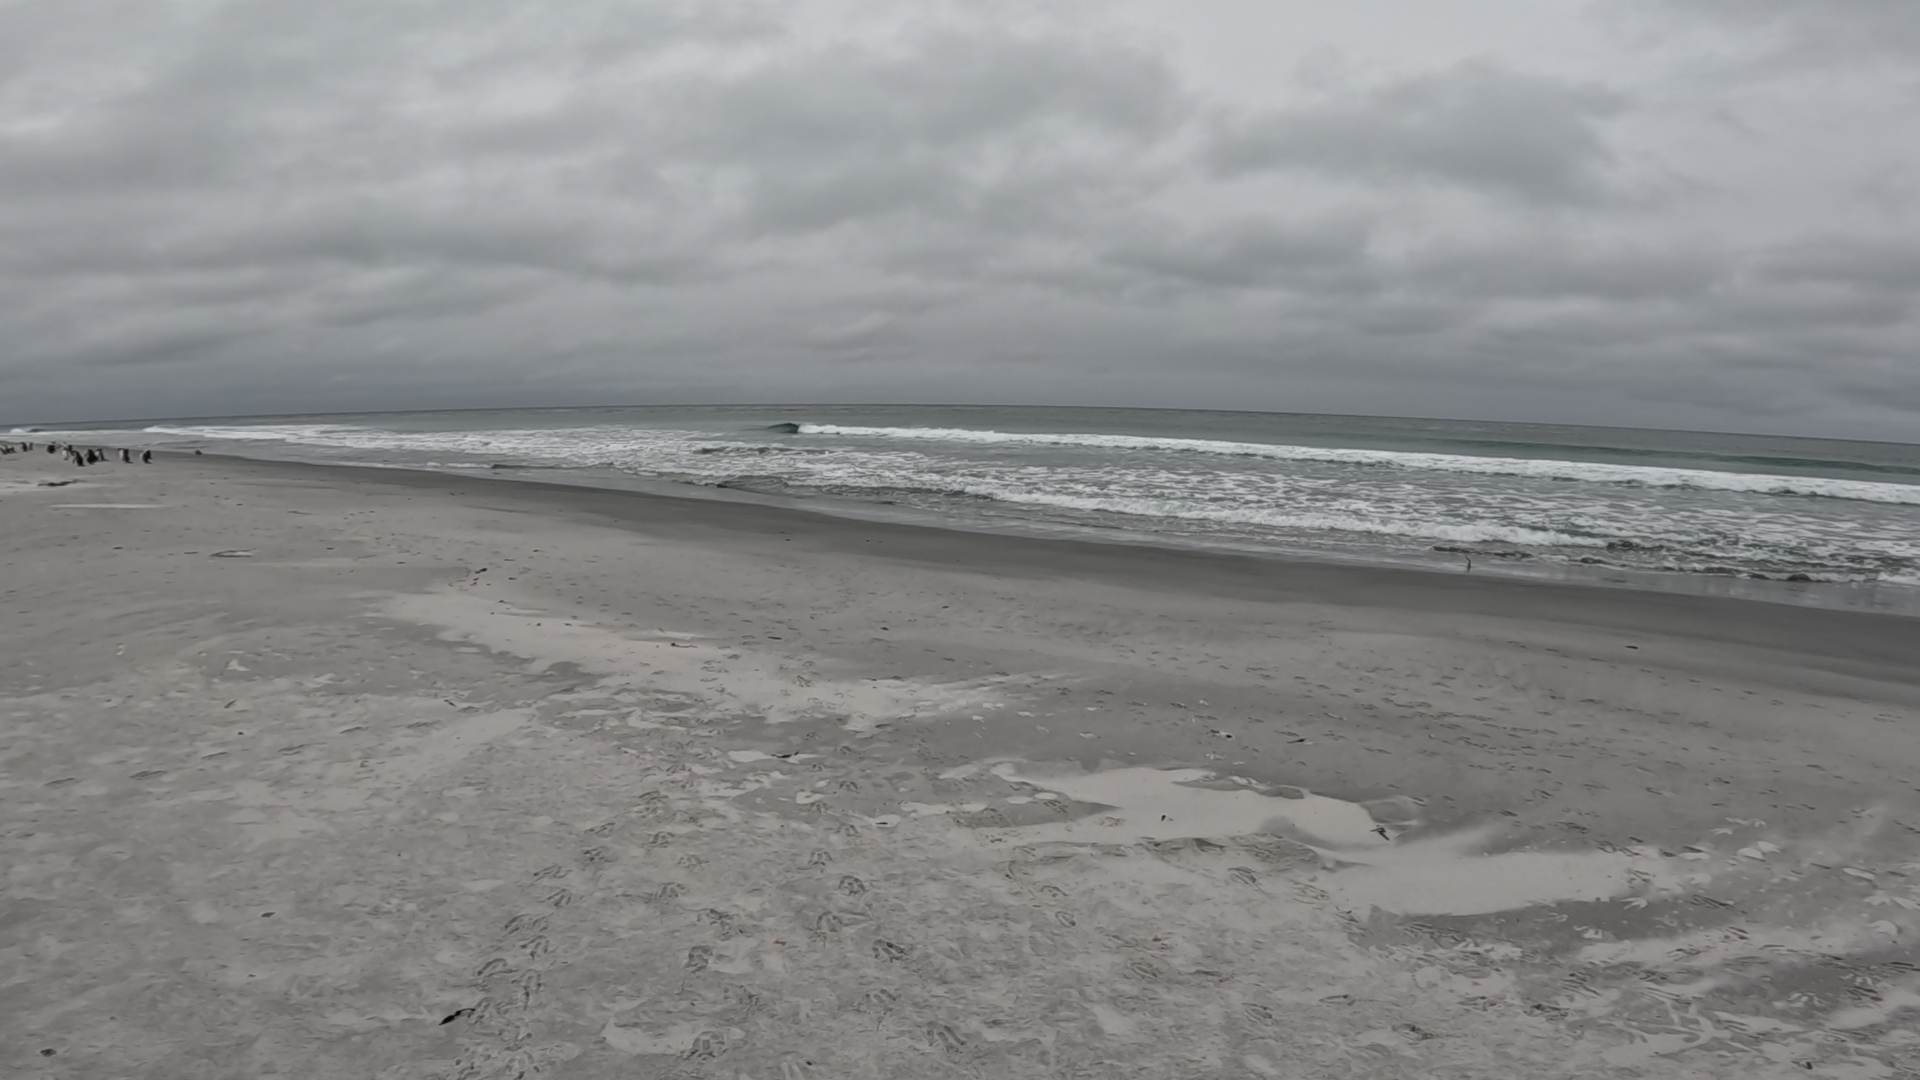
1671, 213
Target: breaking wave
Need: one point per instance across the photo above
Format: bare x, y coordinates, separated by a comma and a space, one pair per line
1539, 468
1691, 520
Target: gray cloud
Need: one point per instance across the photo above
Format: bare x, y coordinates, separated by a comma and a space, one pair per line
1476, 125
264, 205
1799, 33
1254, 253
1563, 269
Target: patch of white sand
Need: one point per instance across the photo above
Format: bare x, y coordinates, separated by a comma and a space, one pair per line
1441, 880
1160, 804
1890, 1004
1438, 876
732, 679
1714, 947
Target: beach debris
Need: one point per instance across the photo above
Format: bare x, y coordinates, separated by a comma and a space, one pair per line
232, 553
57, 483
456, 1014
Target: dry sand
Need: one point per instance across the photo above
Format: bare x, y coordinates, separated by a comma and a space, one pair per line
333, 773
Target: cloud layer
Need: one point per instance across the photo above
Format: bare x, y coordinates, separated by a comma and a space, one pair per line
1670, 214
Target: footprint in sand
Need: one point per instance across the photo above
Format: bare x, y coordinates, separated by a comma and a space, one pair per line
889, 952
487, 1010
945, 1039
1241, 875
852, 886
1065, 918
525, 924
706, 1046
699, 957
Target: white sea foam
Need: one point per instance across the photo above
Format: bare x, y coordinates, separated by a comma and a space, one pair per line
1655, 518
1379, 524
1589, 471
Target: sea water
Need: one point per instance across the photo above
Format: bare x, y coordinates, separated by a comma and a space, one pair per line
1625, 504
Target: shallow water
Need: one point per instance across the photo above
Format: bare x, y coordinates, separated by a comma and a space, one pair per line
1527, 498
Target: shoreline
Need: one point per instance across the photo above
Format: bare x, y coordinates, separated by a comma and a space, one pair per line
1725, 575
1747, 620
345, 772
1871, 597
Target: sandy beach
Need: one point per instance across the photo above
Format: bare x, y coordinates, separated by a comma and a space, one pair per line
324, 772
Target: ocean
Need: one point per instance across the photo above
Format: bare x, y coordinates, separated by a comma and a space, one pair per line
1827, 521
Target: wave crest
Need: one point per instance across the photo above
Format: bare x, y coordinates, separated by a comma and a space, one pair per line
1541, 468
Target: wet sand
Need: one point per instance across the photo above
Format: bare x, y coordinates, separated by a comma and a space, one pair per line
348, 773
